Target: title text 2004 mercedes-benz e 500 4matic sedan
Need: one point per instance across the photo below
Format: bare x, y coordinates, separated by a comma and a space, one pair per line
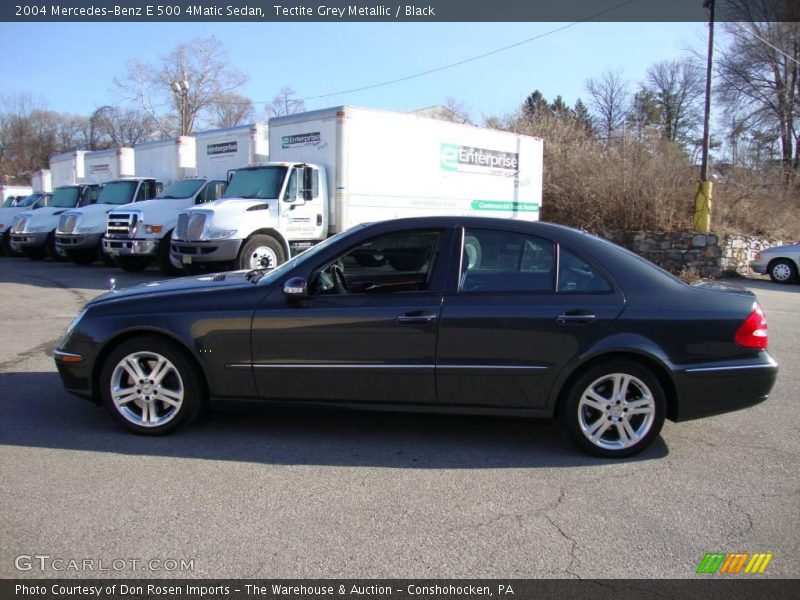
446, 314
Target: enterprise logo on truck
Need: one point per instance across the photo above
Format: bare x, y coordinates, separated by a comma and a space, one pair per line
221, 149
302, 139
477, 160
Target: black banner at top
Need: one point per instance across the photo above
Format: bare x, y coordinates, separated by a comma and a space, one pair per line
394, 10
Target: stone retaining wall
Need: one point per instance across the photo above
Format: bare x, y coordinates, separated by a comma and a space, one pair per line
707, 255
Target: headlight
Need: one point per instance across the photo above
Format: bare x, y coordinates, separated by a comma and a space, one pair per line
72, 327
219, 234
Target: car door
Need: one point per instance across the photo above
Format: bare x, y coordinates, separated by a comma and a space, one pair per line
374, 342
301, 218
520, 309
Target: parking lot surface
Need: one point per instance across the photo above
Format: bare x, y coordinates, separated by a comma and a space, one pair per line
296, 493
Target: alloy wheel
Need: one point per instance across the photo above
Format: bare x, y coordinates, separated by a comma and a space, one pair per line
147, 389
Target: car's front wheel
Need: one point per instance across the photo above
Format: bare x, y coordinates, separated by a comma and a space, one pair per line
150, 386
615, 409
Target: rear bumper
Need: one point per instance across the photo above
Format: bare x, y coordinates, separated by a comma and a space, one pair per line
713, 389
122, 247
30, 239
205, 252
78, 241
759, 267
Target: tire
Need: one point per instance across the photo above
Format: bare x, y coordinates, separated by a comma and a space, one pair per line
8, 249
34, 252
52, 251
165, 261
261, 251
782, 270
622, 432
83, 257
133, 264
145, 408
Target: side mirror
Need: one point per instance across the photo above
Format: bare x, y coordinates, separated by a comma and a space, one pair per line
295, 287
308, 183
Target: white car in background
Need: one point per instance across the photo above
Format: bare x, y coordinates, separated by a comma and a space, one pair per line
781, 263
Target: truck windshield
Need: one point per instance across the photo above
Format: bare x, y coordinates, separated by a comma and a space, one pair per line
8, 201
30, 200
182, 189
265, 182
117, 192
65, 197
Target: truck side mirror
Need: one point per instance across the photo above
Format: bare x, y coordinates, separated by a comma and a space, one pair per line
296, 288
308, 183
230, 175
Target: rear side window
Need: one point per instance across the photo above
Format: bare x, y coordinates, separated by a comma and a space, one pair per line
503, 261
576, 275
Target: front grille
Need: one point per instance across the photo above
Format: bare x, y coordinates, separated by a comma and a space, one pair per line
66, 224
20, 223
190, 226
121, 224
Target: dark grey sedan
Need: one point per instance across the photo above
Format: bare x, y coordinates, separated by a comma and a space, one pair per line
440, 314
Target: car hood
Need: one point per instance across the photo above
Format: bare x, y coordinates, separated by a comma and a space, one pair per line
162, 205
172, 287
44, 213
227, 206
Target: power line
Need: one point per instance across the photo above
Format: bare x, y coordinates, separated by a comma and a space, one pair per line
457, 63
778, 50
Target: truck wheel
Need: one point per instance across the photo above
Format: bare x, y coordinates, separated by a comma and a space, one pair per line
83, 257
166, 264
34, 252
133, 264
107, 259
52, 250
10, 249
261, 252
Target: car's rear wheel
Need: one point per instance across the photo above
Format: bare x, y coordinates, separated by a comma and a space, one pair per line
615, 409
150, 387
782, 270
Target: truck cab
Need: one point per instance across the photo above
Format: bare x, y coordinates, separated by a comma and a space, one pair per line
268, 213
80, 231
136, 233
7, 215
34, 231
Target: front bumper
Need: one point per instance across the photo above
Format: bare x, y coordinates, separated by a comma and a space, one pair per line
78, 241
123, 247
76, 375
32, 240
205, 252
712, 389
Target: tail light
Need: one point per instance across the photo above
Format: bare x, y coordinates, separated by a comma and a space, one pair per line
753, 332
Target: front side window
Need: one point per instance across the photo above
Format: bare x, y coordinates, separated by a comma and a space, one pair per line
394, 262
503, 261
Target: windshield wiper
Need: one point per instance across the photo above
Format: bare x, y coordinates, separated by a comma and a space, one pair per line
255, 274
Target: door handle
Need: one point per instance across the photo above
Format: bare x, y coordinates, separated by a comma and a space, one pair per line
415, 318
576, 317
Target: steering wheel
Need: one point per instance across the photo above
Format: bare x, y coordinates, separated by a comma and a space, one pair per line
339, 281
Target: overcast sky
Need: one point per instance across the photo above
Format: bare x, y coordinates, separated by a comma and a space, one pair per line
70, 66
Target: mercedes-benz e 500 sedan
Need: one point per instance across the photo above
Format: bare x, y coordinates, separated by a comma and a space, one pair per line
445, 314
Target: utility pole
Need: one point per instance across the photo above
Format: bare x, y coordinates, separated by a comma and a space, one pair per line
702, 200
181, 88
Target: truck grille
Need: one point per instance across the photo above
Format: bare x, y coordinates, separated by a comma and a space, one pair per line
121, 224
190, 226
20, 223
66, 224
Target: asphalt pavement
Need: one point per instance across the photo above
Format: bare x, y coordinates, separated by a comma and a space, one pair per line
299, 493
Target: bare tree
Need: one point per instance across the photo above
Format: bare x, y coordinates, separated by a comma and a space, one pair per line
230, 110
284, 103
125, 127
202, 63
678, 87
609, 101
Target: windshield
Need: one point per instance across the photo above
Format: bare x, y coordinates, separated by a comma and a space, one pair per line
30, 200
265, 182
309, 254
182, 189
65, 197
117, 192
8, 201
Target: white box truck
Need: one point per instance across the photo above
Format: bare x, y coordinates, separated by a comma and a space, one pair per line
34, 232
222, 150
79, 231
135, 232
41, 181
33, 201
10, 194
332, 169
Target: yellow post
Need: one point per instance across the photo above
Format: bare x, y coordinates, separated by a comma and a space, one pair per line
702, 207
